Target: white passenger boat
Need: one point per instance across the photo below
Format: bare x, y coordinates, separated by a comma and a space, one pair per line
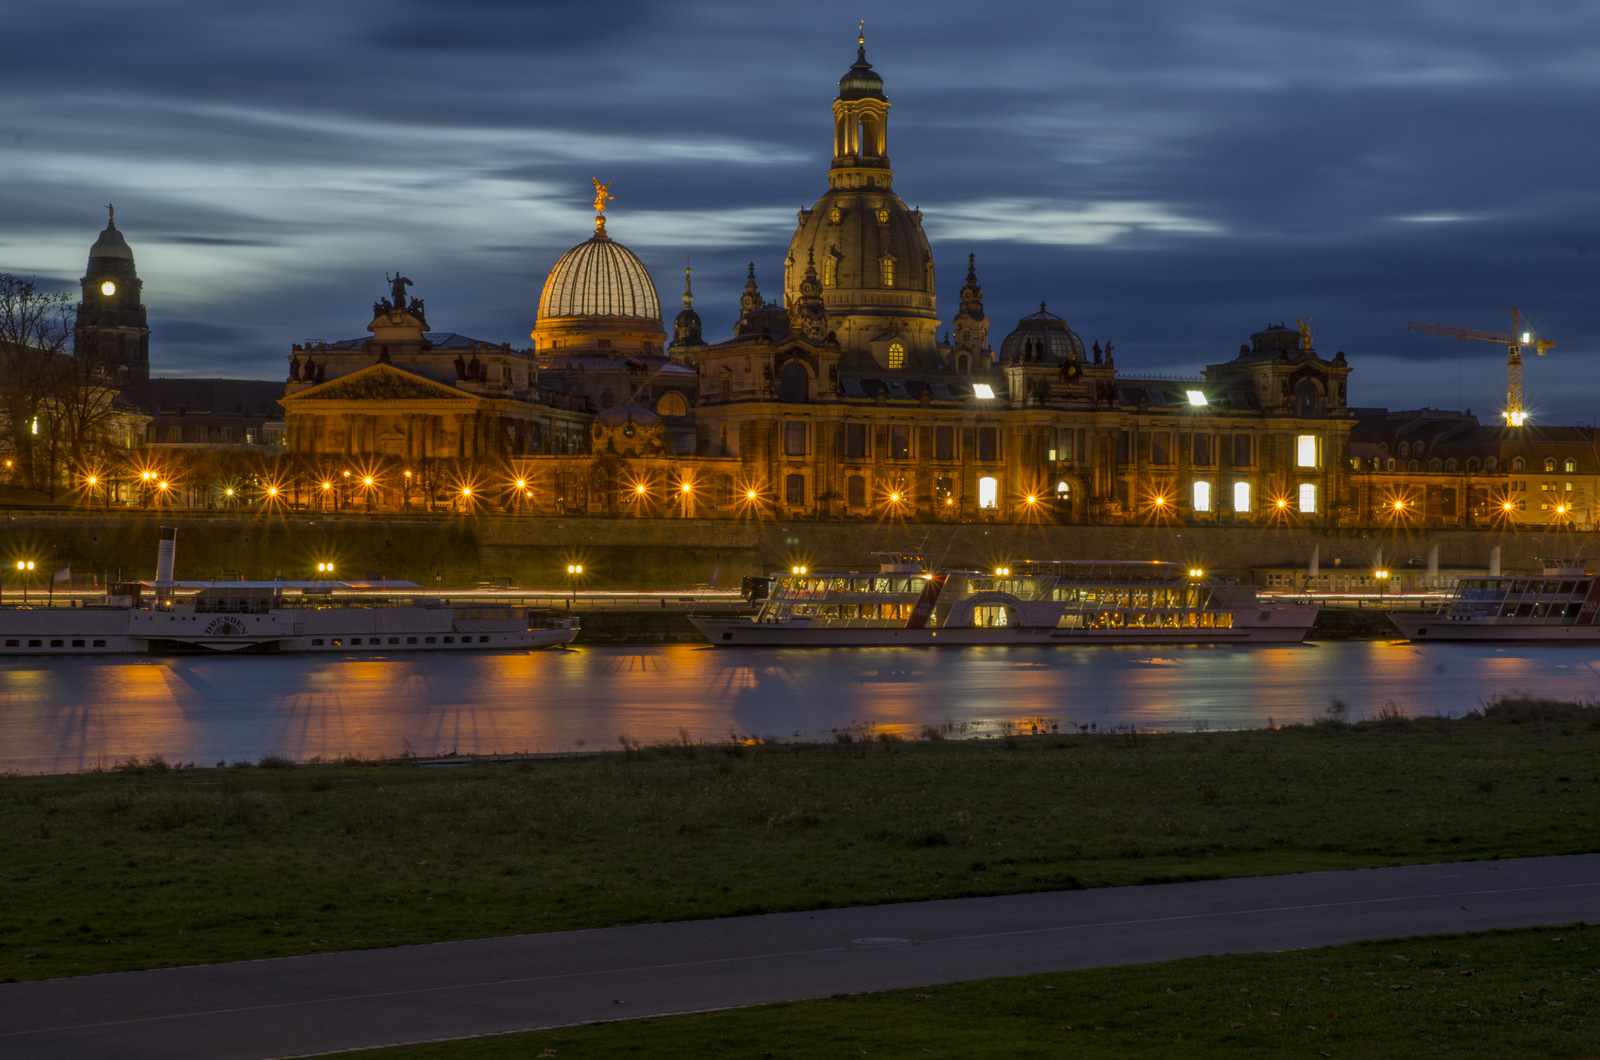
1066, 602
278, 616
1561, 605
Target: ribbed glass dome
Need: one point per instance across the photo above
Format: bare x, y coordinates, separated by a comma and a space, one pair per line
1041, 336
600, 278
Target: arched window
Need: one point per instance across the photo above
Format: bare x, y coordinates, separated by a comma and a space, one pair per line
1201, 501
869, 136
1549, 463
1517, 464
606, 400
963, 365
1307, 398
1450, 465
1403, 450
1490, 463
856, 491
897, 355
988, 493
1473, 465
1416, 465
1570, 466
672, 405
838, 136
1063, 491
1436, 464
794, 490
886, 271
1389, 464
794, 384
829, 264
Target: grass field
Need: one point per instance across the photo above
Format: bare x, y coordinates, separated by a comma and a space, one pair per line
150, 866
1501, 994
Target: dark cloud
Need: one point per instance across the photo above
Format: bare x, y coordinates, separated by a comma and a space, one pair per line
1167, 174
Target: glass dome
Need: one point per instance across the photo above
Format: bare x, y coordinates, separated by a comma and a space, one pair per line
600, 278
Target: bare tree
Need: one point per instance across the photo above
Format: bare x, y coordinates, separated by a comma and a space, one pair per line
35, 328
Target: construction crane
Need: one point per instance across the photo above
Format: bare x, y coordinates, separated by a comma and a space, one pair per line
1514, 342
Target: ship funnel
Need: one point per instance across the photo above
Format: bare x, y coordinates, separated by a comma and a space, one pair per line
164, 553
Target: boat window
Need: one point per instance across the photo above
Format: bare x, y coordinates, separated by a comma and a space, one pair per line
97, 644
881, 585
354, 641
316, 643
848, 611
829, 611
1566, 588
13, 643
394, 640
449, 640
1519, 586
411, 640
1583, 587
428, 640
483, 640
35, 643
338, 642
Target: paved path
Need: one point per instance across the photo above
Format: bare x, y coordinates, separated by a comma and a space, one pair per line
299, 1005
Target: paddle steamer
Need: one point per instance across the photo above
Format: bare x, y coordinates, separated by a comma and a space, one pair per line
904, 602
279, 616
1561, 605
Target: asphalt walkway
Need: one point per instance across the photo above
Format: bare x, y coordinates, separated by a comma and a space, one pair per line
303, 1005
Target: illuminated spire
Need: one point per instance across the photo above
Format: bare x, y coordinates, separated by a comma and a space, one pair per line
688, 294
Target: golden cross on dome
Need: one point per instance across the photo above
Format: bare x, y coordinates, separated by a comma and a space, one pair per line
861, 32
602, 193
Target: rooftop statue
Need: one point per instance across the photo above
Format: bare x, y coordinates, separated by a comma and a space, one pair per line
602, 194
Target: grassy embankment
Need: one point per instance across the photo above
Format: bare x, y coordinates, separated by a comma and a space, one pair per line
1501, 994
150, 866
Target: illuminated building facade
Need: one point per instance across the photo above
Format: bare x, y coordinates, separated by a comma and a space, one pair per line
1431, 467
843, 402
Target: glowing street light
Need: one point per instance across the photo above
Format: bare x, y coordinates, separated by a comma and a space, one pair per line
1196, 572
1001, 572
797, 570
24, 568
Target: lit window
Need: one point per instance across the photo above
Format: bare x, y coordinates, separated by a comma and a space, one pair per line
988, 493
888, 272
1197, 397
982, 390
897, 355
1308, 497
829, 263
1202, 497
1306, 450
1241, 496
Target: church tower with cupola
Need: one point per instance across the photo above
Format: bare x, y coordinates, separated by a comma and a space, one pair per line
110, 325
870, 255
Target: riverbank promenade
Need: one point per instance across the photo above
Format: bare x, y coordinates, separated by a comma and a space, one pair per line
362, 999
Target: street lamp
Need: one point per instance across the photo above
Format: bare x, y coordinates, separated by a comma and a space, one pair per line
324, 571
1383, 579
24, 568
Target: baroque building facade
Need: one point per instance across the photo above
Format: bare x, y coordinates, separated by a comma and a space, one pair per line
842, 401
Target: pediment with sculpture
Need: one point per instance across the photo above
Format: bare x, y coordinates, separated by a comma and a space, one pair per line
381, 382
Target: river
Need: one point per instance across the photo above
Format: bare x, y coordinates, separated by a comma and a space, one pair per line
66, 715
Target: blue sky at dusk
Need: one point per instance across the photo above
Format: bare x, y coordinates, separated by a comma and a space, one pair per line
1168, 175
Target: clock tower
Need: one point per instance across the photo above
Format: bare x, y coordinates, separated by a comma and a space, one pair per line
110, 326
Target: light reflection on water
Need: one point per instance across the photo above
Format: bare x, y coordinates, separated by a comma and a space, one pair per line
61, 715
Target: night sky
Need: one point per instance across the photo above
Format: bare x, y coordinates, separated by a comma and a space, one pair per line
1168, 174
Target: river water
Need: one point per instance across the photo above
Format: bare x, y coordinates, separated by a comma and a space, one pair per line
65, 715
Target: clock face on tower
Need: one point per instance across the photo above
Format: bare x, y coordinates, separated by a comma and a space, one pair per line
108, 288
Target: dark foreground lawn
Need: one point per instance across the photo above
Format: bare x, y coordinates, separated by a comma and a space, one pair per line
150, 866
1503, 994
